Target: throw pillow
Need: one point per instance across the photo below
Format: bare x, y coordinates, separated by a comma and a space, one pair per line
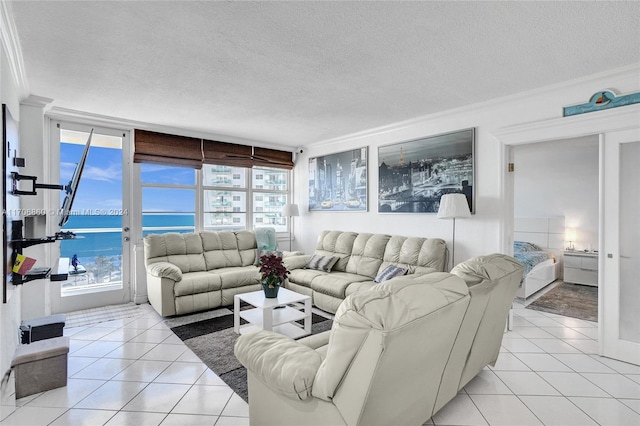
389, 272
322, 263
260, 253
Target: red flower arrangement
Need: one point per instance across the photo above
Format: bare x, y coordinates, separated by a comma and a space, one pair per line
273, 270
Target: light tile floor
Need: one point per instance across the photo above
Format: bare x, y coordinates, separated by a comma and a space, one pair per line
134, 371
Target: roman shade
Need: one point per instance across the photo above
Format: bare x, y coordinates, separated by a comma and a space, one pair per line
160, 148
227, 154
265, 157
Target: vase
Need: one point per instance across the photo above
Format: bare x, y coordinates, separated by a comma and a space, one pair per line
270, 292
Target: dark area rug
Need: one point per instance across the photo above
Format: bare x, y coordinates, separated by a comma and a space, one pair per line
211, 337
571, 300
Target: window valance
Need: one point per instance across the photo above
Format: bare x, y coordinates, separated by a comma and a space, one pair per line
160, 148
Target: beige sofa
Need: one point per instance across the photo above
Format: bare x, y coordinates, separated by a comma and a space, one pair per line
361, 257
396, 354
197, 271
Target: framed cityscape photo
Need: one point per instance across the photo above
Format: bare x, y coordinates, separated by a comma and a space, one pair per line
413, 175
338, 182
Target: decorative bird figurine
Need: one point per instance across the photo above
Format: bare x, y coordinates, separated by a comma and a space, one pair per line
74, 262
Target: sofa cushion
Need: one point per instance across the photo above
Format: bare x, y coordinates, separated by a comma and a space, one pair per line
322, 263
220, 249
197, 282
238, 276
359, 286
366, 256
336, 243
389, 272
304, 277
183, 250
335, 283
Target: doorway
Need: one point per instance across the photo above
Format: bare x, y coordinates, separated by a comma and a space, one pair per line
98, 254
557, 182
614, 127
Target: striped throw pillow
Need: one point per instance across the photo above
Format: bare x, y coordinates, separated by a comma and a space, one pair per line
389, 272
322, 263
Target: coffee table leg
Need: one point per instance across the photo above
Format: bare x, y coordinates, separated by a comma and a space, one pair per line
307, 316
236, 314
267, 319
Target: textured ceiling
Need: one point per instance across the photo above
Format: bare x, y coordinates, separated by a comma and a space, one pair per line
293, 73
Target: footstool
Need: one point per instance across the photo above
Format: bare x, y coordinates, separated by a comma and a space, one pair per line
40, 366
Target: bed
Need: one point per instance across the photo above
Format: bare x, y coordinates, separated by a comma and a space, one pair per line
538, 245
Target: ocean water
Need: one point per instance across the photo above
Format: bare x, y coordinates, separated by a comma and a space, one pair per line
91, 242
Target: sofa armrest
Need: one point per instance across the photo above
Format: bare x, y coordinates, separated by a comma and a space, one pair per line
298, 261
279, 362
165, 270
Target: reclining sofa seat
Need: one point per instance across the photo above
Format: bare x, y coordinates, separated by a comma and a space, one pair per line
191, 272
396, 354
361, 257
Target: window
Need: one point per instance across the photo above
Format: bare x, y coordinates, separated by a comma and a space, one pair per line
231, 198
255, 198
168, 199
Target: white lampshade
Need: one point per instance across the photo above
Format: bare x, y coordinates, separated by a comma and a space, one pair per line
453, 206
571, 234
290, 210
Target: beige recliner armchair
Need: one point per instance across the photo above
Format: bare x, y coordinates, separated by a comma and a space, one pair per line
395, 355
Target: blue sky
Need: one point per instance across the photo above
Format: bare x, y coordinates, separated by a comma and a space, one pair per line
101, 182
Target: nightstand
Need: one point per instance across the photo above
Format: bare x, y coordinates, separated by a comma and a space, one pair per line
581, 267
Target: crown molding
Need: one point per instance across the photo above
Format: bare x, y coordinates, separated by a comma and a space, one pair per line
37, 101
81, 117
11, 45
517, 97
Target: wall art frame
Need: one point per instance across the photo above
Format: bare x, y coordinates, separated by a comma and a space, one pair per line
338, 182
413, 175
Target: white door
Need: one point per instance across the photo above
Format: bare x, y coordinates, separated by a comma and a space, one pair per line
620, 248
99, 255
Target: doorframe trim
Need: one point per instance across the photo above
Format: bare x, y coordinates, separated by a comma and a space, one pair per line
596, 123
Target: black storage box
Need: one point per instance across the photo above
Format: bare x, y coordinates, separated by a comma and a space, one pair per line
42, 328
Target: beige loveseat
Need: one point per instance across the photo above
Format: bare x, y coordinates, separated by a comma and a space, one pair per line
360, 259
396, 354
197, 271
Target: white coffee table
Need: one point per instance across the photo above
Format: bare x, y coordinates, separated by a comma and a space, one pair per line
279, 314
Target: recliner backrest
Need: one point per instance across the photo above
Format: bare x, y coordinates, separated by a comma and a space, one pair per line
366, 254
388, 335
336, 243
493, 281
416, 254
183, 250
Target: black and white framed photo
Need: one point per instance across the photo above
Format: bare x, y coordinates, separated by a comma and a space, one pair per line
338, 182
413, 175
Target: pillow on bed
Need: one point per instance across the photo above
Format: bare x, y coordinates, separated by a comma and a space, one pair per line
522, 246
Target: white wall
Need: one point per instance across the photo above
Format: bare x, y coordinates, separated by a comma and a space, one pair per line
560, 178
10, 311
482, 233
